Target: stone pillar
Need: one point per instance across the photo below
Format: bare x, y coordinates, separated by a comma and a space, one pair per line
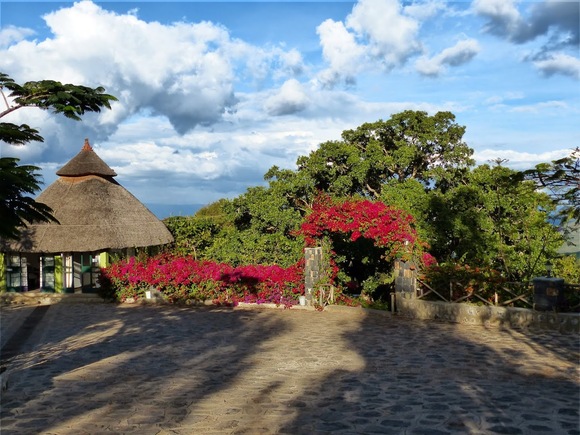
406, 279
312, 271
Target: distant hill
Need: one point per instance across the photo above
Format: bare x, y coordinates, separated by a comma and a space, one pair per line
163, 211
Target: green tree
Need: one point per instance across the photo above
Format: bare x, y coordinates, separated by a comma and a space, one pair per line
561, 179
193, 235
398, 161
262, 230
410, 145
18, 182
494, 219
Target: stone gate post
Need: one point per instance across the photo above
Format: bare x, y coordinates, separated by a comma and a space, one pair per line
312, 271
405, 280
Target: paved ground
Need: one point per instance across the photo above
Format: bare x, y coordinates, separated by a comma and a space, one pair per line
102, 368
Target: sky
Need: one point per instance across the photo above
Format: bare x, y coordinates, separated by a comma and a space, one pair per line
213, 94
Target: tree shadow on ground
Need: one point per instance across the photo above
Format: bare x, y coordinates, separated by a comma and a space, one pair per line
164, 369
93, 366
422, 377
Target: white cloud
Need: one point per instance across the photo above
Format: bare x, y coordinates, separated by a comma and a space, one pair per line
290, 98
392, 35
425, 10
136, 159
508, 96
559, 63
341, 51
542, 106
376, 35
11, 34
459, 54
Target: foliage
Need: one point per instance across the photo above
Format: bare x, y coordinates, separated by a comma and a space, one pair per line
185, 280
568, 268
494, 219
414, 163
194, 234
18, 182
72, 101
254, 228
561, 178
16, 208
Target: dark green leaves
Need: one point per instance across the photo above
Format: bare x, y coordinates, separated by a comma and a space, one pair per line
72, 101
16, 207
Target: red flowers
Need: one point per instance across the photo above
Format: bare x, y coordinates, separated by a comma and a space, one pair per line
185, 279
387, 227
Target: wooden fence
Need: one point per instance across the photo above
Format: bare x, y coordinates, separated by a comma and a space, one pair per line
510, 294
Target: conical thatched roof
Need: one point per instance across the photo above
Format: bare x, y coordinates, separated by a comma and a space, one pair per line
94, 213
86, 163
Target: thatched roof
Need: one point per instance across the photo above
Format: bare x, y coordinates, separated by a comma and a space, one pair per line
94, 213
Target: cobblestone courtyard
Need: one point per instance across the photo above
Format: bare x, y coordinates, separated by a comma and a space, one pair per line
103, 368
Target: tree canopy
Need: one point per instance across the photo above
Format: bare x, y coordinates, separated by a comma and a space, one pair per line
18, 182
413, 165
561, 179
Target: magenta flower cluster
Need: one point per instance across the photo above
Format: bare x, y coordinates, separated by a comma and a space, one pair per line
186, 280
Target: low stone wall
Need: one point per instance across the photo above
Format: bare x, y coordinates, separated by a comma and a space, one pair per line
503, 317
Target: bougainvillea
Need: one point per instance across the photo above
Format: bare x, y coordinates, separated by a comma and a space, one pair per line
387, 227
184, 279
363, 238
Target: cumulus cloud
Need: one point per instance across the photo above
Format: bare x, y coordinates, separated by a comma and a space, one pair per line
391, 34
184, 71
290, 98
377, 34
505, 20
461, 53
559, 63
340, 50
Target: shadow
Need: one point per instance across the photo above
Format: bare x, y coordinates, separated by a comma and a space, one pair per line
427, 377
105, 368
90, 366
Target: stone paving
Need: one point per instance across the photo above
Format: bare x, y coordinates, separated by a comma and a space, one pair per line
104, 368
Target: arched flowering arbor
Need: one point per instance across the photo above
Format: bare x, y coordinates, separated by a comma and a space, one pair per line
363, 239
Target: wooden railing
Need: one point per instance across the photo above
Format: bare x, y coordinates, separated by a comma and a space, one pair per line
511, 295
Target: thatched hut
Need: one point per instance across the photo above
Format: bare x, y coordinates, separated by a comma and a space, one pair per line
96, 217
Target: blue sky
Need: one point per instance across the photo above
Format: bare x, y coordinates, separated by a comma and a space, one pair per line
212, 94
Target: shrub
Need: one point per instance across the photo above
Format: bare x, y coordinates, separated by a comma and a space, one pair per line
184, 279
